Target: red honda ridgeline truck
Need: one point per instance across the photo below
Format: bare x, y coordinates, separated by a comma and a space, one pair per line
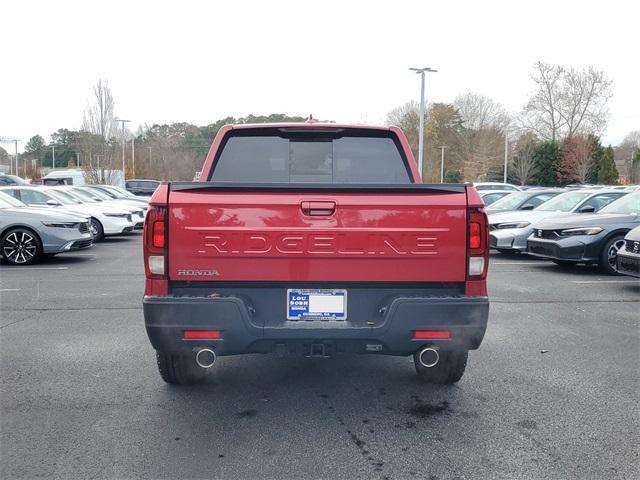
315, 240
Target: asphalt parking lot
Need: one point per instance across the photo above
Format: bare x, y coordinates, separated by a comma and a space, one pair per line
552, 393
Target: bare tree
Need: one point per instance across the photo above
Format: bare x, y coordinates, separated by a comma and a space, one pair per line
478, 112
567, 101
524, 165
99, 115
407, 117
578, 161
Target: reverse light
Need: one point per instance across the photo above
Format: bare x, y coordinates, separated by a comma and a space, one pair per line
569, 232
201, 334
476, 266
512, 225
432, 334
156, 264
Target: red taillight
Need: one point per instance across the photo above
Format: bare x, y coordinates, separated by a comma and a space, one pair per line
158, 234
201, 334
477, 244
155, 243
432, 334
475, 235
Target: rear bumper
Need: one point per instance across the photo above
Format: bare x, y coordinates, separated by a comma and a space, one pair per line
167, 317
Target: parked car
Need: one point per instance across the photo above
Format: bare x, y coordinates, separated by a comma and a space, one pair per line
527, 200
64, 177
629, 254
591, 239
141, 187
510, 230
263, 258
88, 196
6, 179
102, 196
495, 186
118, 193
104, 220
491, 196
26, 234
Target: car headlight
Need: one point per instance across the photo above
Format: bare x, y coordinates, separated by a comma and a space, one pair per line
500, 226
569, 232
61, 224
118, 215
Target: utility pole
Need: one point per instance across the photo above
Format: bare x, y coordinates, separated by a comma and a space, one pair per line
53, 153
422, 71
442, 147
506, 153
133, 157
150, 156
15, 144
124, 169
77, 160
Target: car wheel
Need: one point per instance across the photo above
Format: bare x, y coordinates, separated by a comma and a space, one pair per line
96, 230
448, 370
21, 246
563, 263
179, 369
609, 255
506, 251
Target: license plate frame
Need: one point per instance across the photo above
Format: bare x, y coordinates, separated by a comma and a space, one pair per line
316, 304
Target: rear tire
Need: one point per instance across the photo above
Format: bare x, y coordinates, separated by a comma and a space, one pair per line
609, 255
179, 369
449, 369
20, 246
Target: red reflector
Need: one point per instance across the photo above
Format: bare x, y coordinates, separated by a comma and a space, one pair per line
475, 240
200, 334
432, 334
158, 234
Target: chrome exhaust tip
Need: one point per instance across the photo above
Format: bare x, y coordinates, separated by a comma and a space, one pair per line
429, 357
205, 358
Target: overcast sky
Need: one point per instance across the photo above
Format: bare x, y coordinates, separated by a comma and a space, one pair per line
345, 61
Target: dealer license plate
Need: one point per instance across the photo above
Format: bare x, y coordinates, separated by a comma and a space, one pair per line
316, 304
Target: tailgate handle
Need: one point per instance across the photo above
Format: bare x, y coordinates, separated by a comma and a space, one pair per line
318, 209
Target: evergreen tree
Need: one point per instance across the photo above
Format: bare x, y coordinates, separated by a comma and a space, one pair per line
607, 171
547, 159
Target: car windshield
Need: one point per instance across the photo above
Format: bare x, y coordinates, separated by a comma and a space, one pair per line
84, 196
97, 193
7, 201
512, 200
628, 204
63, 197
565, 202
114, 191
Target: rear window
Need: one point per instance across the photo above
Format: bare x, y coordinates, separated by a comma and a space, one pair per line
311, 157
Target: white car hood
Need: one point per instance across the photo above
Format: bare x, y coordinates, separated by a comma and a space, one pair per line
530, 216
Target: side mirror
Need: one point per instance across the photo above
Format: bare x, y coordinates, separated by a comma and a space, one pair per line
53, 203
587, 209
527, 206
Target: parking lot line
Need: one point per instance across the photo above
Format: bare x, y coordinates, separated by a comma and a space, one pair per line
606, 281
6, 269
10, 289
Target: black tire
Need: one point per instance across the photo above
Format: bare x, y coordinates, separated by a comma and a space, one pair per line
506, 251
447, 371
96, 230
179, 369
563, 263
21, 246
609, 255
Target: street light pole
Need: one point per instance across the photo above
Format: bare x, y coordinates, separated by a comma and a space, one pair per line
53, 156
133, 157
506, 154
124, 170
442, 147
422, 71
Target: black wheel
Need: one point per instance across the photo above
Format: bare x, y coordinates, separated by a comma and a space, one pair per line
96, 230
609, 255
448, 369
179, 369
21, 246
563, 263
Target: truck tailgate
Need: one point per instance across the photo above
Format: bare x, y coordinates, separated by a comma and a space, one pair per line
298, 236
